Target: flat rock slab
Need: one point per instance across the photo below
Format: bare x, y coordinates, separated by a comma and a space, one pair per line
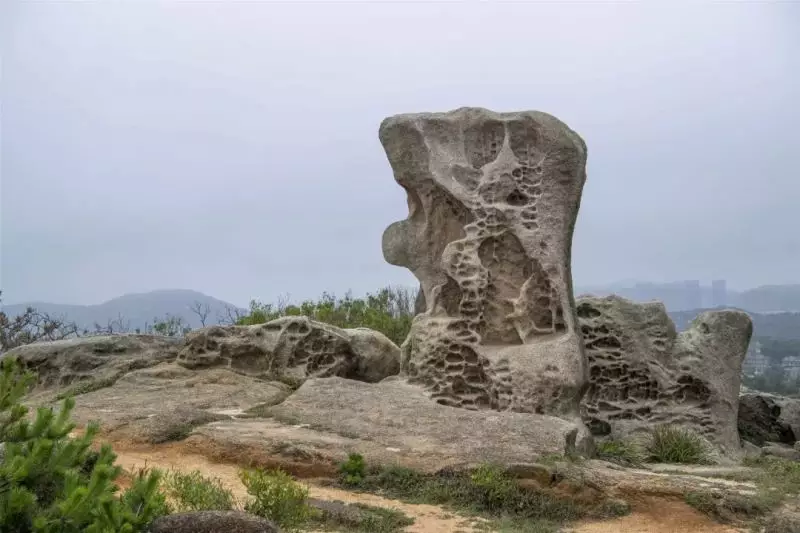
143, 404
399, 416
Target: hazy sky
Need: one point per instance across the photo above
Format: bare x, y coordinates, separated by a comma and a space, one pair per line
232, 147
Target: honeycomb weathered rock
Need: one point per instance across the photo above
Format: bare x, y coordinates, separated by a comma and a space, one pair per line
493, 199
643, 373
293, 347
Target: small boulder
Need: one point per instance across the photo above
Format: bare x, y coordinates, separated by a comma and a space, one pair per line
212, 522
751, 450
762, 419
783, 451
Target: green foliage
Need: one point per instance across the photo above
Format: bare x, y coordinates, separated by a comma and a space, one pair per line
389, 311
276, 496
194, 492
728, 506
169, 326
378, 519
339, 516
353, 470
777, 478
672, 444
51, 483
621, 452
487, 490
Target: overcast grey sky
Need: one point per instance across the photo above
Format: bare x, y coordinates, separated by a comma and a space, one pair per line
232, 147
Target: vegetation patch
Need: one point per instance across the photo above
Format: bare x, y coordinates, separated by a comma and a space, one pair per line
50, 482
488, 491
354, 470
776, 480
194, 492
389, 311
728, 507
621, 452
340, 516
278, 497
673, 444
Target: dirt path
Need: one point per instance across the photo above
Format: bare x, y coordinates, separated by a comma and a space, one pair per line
427, 518
649, 516
657, 516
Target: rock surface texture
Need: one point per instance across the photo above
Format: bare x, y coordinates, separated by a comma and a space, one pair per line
400, 416
98, 359
493, 199
294, 348
643, 373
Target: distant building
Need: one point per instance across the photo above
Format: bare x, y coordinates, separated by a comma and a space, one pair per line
693, 295
755, 363
719, 293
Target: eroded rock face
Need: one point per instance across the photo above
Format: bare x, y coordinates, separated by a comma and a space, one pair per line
100, 359
493, 199
293, 347
643, 373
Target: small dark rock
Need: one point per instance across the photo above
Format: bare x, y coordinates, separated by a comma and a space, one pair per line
212, 522
759, 420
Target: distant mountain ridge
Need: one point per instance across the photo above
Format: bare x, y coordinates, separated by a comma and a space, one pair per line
677, 297
135, 310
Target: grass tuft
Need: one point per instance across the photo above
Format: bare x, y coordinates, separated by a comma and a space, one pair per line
672, 444
621, 452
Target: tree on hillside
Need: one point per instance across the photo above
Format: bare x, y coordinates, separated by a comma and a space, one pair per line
113, 325
33, 326
169, 326
201, 310
230, 316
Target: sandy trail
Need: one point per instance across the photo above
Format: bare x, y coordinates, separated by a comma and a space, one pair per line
427, 518
649, 516
657, 515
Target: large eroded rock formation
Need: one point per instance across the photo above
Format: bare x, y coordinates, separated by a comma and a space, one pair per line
293, 347
643, 373
492, 199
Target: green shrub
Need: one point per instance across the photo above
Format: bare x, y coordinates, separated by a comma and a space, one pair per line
353, 470
276, 496
194, 492
389, 311
672, 444
620, 452
51, 483
488, 490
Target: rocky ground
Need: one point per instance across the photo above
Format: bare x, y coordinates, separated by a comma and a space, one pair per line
159, 413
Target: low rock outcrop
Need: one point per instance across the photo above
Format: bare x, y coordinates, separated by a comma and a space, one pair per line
493, 199
293, 348
399, 416
642, 372
166, 402
101, 359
